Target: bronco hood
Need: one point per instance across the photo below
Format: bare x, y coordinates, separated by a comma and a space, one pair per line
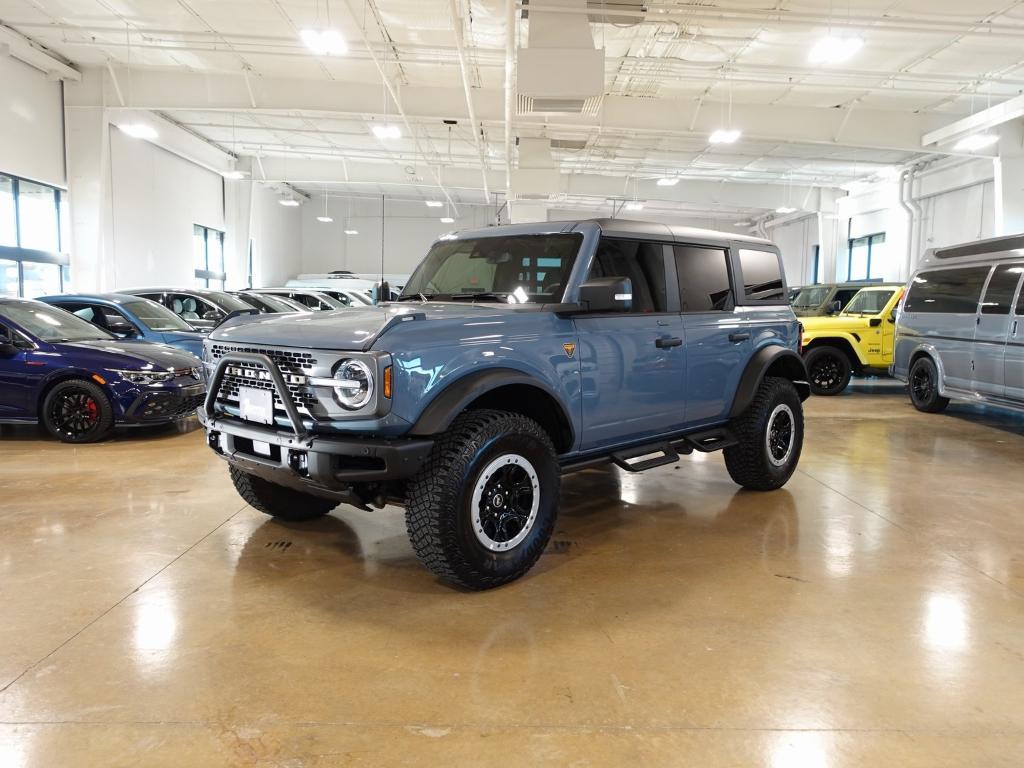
355, 328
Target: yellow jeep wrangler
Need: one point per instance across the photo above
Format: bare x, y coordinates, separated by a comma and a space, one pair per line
857, 340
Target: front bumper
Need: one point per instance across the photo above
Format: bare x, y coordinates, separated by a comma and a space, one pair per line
308, 461
157, 406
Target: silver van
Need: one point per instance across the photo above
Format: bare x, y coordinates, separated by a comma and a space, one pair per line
960, 329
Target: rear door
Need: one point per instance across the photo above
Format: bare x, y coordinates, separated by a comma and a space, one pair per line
1013, 366
992, 329
717, 337
633, 364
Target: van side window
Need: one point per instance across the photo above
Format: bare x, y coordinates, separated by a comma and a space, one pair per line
999, 294
703, 278
640, 261
953, 291
762, 276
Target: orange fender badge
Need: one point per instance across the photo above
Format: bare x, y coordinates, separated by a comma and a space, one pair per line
570, 350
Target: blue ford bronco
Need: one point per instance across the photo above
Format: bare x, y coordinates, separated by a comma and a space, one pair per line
513, 355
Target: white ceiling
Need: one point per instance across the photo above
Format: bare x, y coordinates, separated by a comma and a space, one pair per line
921, 58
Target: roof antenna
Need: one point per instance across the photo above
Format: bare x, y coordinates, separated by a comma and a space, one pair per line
384, 290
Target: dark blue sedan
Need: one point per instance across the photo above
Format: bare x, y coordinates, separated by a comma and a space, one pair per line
79, 380
132, 317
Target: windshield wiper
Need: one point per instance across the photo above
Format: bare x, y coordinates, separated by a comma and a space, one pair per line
424, 297
482, 295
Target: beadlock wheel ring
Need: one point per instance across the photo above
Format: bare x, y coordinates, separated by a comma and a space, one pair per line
506, 500
780, 436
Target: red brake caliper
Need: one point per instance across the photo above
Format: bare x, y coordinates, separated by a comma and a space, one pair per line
93, 410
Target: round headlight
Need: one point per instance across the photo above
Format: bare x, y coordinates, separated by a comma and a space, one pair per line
355, 384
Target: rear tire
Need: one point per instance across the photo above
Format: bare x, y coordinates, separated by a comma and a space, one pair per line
278, 501
828, 370
771, 436
923, 383
482, 508
78, 411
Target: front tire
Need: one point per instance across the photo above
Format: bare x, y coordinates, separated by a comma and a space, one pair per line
923, 383
78, 411
482, 508
770, 434
278, 501
828, 370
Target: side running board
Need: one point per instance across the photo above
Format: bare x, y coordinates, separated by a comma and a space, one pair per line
651, 455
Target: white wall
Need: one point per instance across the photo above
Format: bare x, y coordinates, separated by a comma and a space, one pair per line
796, 239
31, 124
277, 234
409, 230
157, 197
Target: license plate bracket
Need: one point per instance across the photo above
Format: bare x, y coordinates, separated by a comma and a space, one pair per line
256, 405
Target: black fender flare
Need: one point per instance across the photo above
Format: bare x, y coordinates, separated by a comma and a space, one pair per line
453, 399
784, 361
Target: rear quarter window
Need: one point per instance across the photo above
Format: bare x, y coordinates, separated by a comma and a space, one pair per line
762, 276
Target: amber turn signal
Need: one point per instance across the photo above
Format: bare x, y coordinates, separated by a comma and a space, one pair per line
98, 379
387, 382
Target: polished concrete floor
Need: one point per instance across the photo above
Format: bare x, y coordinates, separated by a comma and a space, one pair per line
871, 613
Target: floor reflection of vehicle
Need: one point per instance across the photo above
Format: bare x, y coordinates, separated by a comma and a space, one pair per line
199, 307
132, 317
79, 380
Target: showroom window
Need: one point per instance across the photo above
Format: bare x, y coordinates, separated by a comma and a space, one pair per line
32, 233
208, 255
866, 257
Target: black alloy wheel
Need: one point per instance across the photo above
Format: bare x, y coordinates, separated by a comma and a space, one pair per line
77, 412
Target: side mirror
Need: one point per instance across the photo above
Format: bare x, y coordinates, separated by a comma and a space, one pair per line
124, 330
607, 294
892, 315
7, 348
213, 315
874, 322
835, 307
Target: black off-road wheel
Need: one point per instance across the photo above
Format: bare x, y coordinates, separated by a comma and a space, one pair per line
828, 369
482, 508
278, 501
923, 383
771, 436
78, 411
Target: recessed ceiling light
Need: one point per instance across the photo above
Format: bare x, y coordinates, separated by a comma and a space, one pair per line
139, 130
324, 219
785, 209
324, 42
387, 131
351, 231
975, 142
668, 181
434, 203
447, 220
834, 50
725, 136
634, 205
233, 174
288, 202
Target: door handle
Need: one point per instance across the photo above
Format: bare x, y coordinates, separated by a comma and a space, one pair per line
1014, 333
668, 341
739, 336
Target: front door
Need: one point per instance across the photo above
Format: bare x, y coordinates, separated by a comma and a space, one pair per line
992, 327
632, 364
18, 379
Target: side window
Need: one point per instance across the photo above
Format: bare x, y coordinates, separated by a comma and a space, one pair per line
642, 262
762, 276
953, 291
999, 294
844, 296
703, 278
191, 308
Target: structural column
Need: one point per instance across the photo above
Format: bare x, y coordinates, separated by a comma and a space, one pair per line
88, 163
1009, 180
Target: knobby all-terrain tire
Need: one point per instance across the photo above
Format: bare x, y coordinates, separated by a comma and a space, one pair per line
278, 501
828, 370
923, 383
439, 500
749, 462
97, 414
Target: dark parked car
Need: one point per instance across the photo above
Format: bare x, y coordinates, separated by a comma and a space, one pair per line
270, 305
132, 317
79, 380
309, 297
199, 307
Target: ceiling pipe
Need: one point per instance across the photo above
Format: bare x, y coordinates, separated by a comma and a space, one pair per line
510, 96
905, 205
474, 126
401, 110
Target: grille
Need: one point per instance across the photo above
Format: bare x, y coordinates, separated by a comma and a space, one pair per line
291, 363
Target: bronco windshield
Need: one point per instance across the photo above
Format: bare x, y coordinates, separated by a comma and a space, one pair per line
51, 324
517, 269
868, 302
811, 296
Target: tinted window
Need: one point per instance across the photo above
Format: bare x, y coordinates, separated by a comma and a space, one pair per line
703, 278
192, 308
642, 262
157, 317
811, 296
869, 302
946, 290
762, 276
1002, 286
844, 296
